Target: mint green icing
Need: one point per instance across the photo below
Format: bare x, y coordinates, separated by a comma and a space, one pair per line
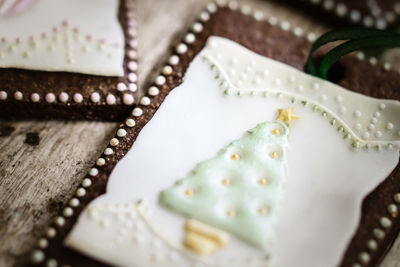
238, 190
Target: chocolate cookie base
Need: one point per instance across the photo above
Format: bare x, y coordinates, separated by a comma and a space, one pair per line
283, 46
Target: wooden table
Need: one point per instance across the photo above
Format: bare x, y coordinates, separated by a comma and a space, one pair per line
36, 181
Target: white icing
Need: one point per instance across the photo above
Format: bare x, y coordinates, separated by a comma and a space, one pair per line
64, 35
326, 179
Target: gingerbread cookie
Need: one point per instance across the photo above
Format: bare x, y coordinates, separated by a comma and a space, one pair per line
67, 59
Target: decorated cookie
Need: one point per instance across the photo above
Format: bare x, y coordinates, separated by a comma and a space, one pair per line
263, 164
380, 14
67, 59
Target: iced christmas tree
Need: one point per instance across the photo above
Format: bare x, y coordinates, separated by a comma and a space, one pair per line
239, 189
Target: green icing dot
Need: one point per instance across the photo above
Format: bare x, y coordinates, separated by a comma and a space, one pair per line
304, 102
239, 188
265, 94
356, 144
378, 147
239, 93
333, 121
368, 146
227, 92
340, 129
315, 108
324, 114
293, 100
347, 136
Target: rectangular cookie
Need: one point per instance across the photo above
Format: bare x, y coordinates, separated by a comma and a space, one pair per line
238, 28
59, 60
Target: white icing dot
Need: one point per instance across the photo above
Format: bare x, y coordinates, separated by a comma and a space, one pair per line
95, 97
372, 244
339, 98
389, 126
396, 197
50, 98
341, 10
78, 98
374, 120
197, 27
342, 109
316, 86
132, 65
35, 97
385, 222
380, 23
364, 257
355, 15
114, 142
145, 101
132, 54
387, 66
37, 256
128, 99
132, 87
63, 97
51, 263
328, 4
360, 55
377, 114
277, 81
18, 95
160, 80
93, 172
110, 99
212, 7
121, 132
108, 151
60, 221
378, 134
137, 112
246, 9
74, 202
132, 77
371, 127
357, 113
311, 37
368, 21
366, 135
273, 20
153, 91
258, 15
392, 209
298, 31
204, 16
358, 126
80, 192
167, 70
379, 233
373, 61
285, 25
3, 95
190, 38
43, 243
232, 72
121, 87
300, 88
173, 60
68, 212
181, 48
130, 122
51, 232
86, 182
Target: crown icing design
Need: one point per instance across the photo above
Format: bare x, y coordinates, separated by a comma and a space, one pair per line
74, 36
366, 121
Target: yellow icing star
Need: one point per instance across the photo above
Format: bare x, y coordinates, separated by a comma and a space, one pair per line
287, 116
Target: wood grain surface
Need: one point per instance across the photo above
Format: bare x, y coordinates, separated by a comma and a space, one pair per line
36, 181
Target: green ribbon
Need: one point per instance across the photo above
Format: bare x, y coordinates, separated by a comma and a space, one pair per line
358, 38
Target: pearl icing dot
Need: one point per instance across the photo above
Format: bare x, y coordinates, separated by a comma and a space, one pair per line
86, 182
382, 106
60, 221
63, 97
37, 256
50, 98
167, 70
197, 27
35, 97
78, 98
132, 87
80, 192
130, 122
385, 222
43, 243
173, 60
114, 142
108, 151
51, 232
110, 99
132, 77
128, 99
357, 113
145, 101
137, 112
18, 95
74, 202
95, 97
3, 95
160, 80
121, 87
68, 212
389, 126
372, 244
121, 132
181, 48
